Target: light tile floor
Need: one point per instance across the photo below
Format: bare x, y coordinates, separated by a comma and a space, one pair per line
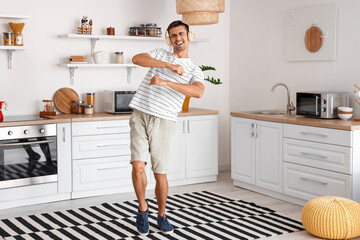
223, 186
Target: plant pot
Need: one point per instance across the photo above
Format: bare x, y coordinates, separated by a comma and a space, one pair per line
185, 106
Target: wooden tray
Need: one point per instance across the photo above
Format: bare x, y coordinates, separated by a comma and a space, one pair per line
63, 99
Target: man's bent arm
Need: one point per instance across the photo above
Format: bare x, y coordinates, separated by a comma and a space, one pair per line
195, 89
145, 60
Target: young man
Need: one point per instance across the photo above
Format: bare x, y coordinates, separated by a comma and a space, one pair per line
156, 104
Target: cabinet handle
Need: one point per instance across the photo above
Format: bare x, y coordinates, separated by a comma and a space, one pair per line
314, 134
313, 155
112, 127
112, 145
313, 180
188, 126
256, 130
252, 129
108, 168
64, 137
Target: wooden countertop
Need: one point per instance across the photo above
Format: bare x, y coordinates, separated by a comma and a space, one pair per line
35, 122
102, 116
301, 120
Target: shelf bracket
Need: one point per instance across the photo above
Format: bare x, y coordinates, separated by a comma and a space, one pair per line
72, 73
10, 54
129, 69
93, 44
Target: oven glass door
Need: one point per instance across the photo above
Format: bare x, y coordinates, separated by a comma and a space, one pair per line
308, 104
27, 161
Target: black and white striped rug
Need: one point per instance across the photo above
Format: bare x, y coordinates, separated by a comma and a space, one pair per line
196, 215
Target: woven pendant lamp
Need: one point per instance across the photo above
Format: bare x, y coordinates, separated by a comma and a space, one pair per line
200, 12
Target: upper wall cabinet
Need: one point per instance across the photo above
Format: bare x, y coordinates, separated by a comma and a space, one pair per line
10, 49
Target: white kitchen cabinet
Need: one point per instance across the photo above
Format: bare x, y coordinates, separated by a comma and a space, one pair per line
101, 158
317, 162
295, 163
64, 157
201, 146
256, 153
195, 154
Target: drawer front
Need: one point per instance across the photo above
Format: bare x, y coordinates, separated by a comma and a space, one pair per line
100, 146
316, 134
101, 173
319, 155
308, 183
100, 127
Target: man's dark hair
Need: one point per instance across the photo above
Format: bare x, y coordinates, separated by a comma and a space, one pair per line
176, 24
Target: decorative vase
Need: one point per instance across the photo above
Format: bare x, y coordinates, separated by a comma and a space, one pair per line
185, 106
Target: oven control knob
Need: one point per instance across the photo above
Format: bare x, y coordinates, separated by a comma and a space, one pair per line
26, 131
10, 133
323, 101
323, 109
42, 130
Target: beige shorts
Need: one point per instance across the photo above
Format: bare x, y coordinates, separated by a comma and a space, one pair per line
152, 135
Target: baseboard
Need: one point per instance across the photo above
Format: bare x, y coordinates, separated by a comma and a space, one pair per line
280, 196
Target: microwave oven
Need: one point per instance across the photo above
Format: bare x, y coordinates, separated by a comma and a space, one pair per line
320, 104
118, 101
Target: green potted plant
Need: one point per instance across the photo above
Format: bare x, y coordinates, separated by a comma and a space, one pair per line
212, 80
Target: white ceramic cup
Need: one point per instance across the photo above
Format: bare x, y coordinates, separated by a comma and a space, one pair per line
98, 57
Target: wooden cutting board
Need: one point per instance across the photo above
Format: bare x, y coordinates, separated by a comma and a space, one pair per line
63, 99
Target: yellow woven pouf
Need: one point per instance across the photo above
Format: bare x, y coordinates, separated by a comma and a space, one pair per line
332, 217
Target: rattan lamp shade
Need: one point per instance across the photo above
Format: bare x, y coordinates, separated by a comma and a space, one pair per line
200, 12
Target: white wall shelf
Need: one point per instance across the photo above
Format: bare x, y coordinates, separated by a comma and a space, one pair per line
11, 49
73, 66
94, 38
15, 16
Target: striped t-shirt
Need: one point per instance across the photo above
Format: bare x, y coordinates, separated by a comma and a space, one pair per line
160, 101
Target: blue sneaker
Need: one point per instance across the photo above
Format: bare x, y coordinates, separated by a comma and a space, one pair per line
142, 222
164, 225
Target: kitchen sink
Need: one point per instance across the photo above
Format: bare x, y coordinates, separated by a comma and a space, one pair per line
270, 112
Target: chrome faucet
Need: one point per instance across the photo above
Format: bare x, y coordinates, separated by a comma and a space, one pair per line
290, 106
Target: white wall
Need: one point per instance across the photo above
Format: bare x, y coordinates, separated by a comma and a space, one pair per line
36, 75
257, 56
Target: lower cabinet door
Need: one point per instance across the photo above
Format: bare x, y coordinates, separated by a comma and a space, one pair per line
308, 183
177, 161
242, 150
201, 146
269, 155
89, 174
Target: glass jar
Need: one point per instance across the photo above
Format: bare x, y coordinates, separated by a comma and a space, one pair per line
89, 109
77, 107
90, 99
8, 39
154, 31
134, 31
19, 40
142, 30
48, 106
119, 57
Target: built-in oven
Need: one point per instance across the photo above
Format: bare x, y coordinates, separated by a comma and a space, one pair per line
28, 155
